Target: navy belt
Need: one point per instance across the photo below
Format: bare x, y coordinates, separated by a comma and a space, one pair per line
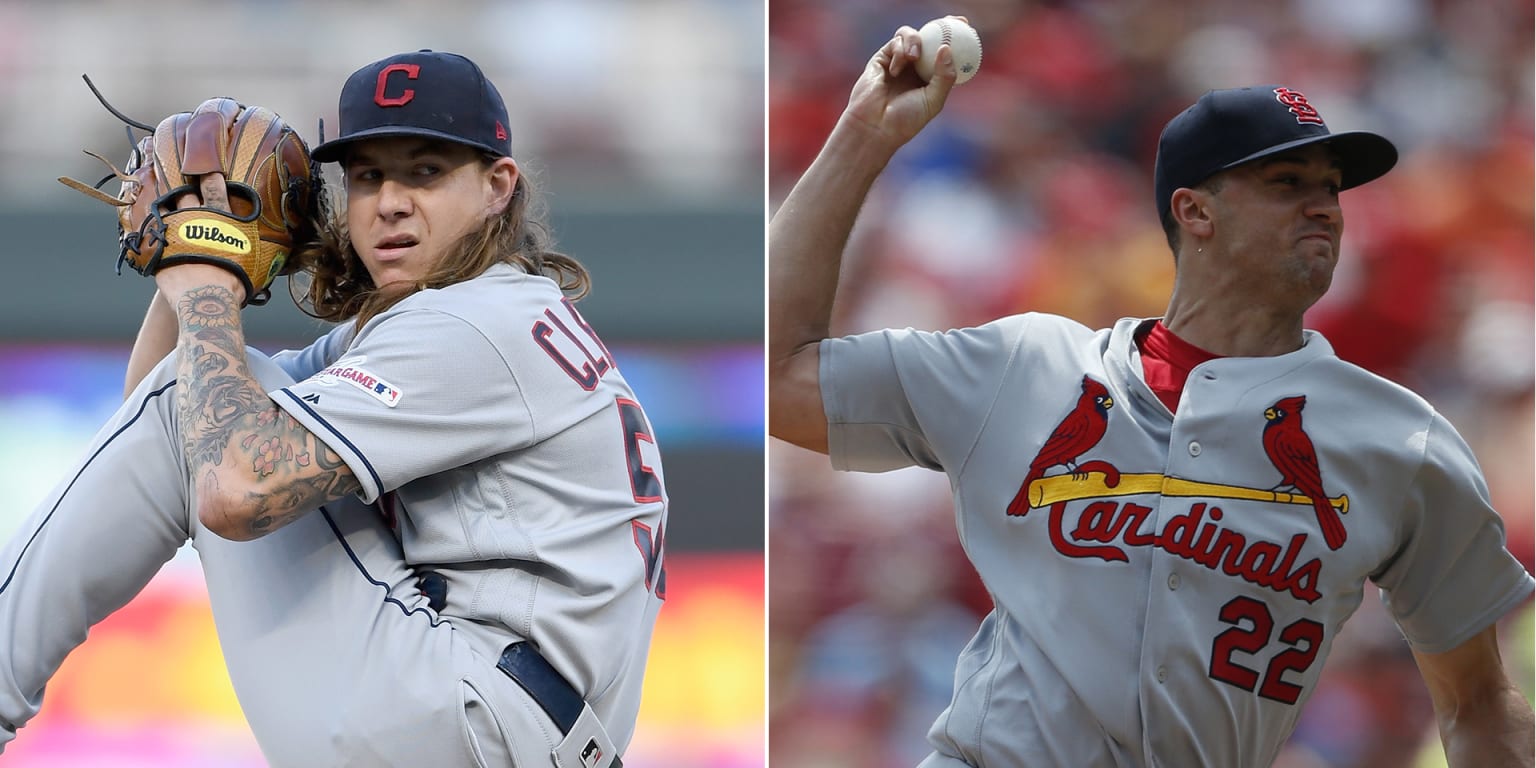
529, 669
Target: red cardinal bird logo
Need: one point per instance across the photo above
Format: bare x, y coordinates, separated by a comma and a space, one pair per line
1080, 430
1291, 451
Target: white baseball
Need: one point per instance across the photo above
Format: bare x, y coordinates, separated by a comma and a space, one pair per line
964, 44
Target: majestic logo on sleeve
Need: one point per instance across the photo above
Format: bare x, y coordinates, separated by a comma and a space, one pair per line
1104, 528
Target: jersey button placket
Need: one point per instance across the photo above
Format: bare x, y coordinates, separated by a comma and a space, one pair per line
1165, 600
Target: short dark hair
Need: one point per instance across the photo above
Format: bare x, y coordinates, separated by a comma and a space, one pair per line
1171, 227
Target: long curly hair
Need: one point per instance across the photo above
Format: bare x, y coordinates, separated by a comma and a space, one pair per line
339, 287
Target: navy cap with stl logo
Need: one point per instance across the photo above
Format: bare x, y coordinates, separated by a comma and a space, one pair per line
1226, 128
430, 94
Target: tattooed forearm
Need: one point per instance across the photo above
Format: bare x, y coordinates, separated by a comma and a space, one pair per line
307, 491
217, 409
211, 405
234, 436
205, 364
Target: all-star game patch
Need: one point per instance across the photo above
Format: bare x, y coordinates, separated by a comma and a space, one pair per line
350, 372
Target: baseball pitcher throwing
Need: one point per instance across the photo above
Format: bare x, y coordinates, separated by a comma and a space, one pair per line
434, 537
1174, 516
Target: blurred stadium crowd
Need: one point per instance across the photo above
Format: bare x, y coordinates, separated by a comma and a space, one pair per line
1033, 192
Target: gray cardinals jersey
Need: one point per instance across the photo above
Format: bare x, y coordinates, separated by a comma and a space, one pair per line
1166, 585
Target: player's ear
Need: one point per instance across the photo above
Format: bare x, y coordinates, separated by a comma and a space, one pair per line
501, 180
1191, 210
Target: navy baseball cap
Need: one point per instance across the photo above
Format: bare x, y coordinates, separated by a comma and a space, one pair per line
427, 93
1226, 128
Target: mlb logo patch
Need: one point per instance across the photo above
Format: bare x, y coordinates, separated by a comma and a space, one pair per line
592, 754
386, 393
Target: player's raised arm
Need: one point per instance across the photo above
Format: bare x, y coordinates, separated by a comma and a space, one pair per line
1483, 717
156, 339
157, 334
254, 469
890, 104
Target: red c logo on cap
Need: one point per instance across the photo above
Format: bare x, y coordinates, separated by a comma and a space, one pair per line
410, 70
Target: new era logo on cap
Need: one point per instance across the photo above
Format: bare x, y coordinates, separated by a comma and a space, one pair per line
426, 93
1226, 128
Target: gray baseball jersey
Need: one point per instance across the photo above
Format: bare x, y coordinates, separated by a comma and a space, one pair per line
499, 449
1166, 585
497, 434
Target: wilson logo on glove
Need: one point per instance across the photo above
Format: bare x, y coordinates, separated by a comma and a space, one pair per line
216, 235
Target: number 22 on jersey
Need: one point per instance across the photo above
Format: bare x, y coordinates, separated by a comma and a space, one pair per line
1304, 637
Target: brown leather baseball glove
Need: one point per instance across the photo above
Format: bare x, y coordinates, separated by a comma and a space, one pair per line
268, 203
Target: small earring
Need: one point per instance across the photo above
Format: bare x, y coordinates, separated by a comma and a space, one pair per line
1200, 250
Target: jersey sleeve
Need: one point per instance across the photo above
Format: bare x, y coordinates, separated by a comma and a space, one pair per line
900, 398
1452, 575
301, 364
419, 392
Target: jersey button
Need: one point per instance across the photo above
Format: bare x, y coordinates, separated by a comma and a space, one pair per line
1194, 448
1173, 581
1162, 674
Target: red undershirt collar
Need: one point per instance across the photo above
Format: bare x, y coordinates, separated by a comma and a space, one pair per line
1166, 361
